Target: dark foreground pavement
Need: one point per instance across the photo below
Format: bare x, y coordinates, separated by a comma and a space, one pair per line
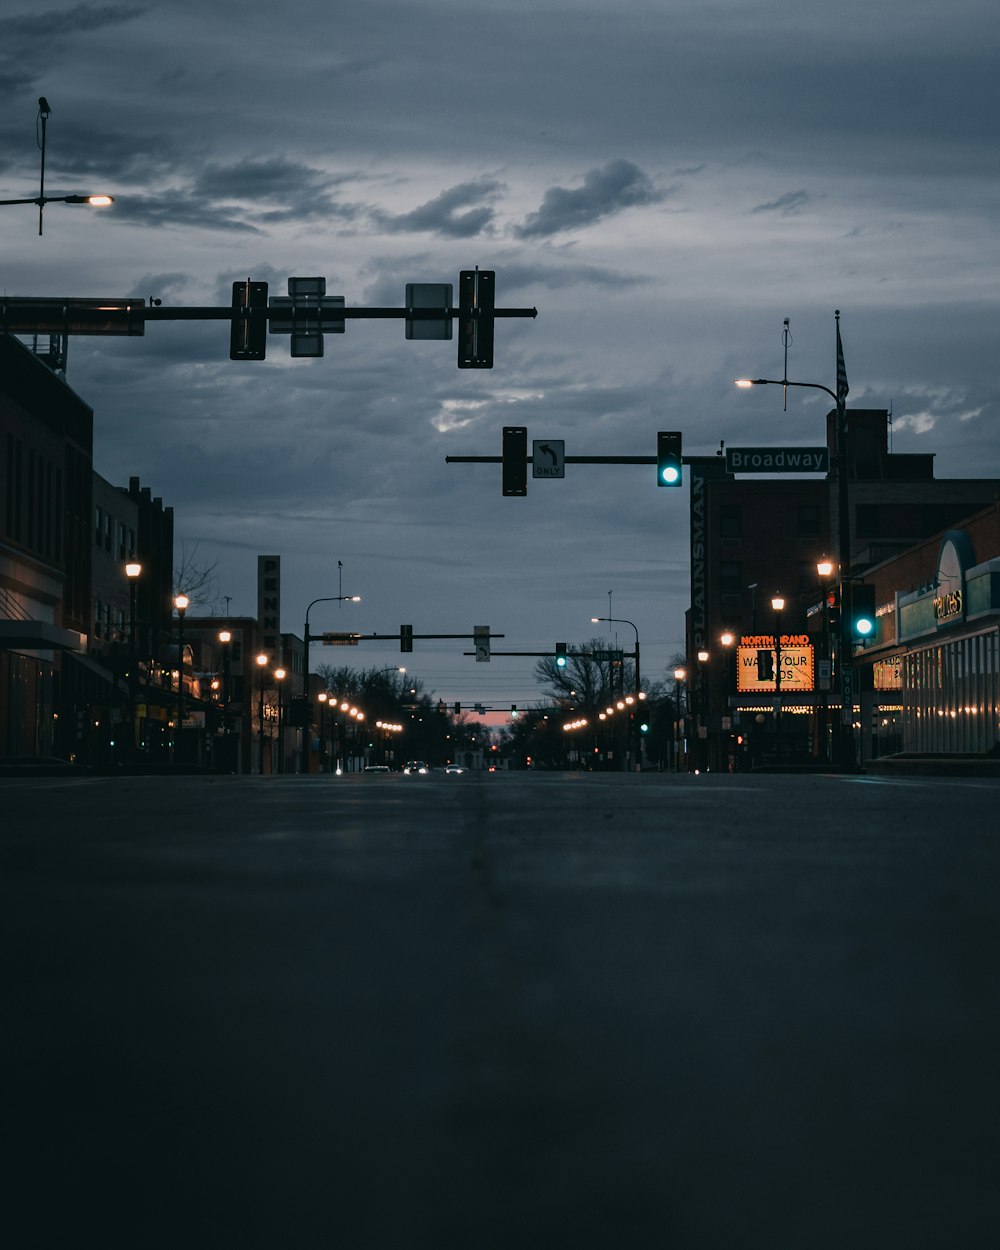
501, 1012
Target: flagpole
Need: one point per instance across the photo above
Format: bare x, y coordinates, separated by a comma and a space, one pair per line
847, 751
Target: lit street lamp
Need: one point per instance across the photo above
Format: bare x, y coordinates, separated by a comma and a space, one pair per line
846, 751
41, 199
307, 638
133, 571
181, 604
679, 675
279, 677
262, 659
777, 606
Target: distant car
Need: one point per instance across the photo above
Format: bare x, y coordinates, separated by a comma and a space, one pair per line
414, 768
454, 768
377, 768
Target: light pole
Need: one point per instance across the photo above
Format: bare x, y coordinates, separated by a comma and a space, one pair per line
41, 199
846, 748
727, 639
825, 569
307, 638
133, 571
279, 677
777, 606
262, 659
637, 733
701, 720
679, 676
181, 604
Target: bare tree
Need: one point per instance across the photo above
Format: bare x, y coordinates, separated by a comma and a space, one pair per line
200, 582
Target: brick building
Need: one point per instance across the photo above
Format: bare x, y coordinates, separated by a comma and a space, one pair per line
754, 537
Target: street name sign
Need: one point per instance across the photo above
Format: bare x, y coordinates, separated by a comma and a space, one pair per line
777, 460
548, 457
340, 640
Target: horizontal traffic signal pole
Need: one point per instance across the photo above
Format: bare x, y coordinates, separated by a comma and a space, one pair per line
569, 460
45, 316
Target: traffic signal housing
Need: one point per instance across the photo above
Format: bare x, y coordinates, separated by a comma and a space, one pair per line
862, 608
514, 458
561, 658
669, 464
248, 336
476, 288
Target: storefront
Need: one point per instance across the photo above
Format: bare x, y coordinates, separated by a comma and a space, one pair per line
936, 686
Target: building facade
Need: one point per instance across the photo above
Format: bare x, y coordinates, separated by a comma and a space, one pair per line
754, 538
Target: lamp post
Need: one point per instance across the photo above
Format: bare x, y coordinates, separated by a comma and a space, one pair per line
41, 199
262, 659
181, 604
279, 677
825, 569
701, 719
777, 606
679, 676
307, 638
637, 733
727, 639
133, 571
846, 747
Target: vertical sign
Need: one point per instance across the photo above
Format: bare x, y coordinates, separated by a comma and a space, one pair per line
269, 604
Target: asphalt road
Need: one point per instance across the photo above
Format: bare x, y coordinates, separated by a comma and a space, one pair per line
501, 1012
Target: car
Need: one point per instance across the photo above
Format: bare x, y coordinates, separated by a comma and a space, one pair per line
415, 768
454, 769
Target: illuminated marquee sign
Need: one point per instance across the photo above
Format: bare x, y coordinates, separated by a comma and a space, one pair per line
797, 664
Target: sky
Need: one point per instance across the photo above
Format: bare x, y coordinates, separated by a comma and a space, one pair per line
665, 182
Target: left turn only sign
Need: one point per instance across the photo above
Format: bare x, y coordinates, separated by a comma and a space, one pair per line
548, 457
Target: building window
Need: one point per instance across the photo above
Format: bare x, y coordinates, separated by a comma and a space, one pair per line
731, 524
108, 530
98, 526
97, 618
866, 520
730, 577
809, 523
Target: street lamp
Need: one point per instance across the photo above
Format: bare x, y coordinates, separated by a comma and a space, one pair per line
262, 659
307, 638
777, 606
825, 570
41, 199
847, 753
181, 603
133, 571
679, 675
637, 735
225, 638
279, 677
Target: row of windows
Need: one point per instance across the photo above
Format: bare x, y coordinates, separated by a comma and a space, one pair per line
807, 524
106, 529
110, 622
33, 511
951, 696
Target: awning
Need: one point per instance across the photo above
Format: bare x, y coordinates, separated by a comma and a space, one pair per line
39, 636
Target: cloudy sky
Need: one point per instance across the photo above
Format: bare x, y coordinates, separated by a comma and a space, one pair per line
664, 181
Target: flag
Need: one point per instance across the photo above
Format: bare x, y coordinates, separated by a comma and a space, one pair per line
842, 387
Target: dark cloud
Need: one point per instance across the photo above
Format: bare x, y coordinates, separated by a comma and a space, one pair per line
28, 35
790, 202
444, 214
613, 187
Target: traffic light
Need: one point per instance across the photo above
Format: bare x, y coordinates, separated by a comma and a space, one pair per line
833, 606
406, 637
669, 465
513, 711
862, 619
248, 335
560, 655
476, 289
514, 470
